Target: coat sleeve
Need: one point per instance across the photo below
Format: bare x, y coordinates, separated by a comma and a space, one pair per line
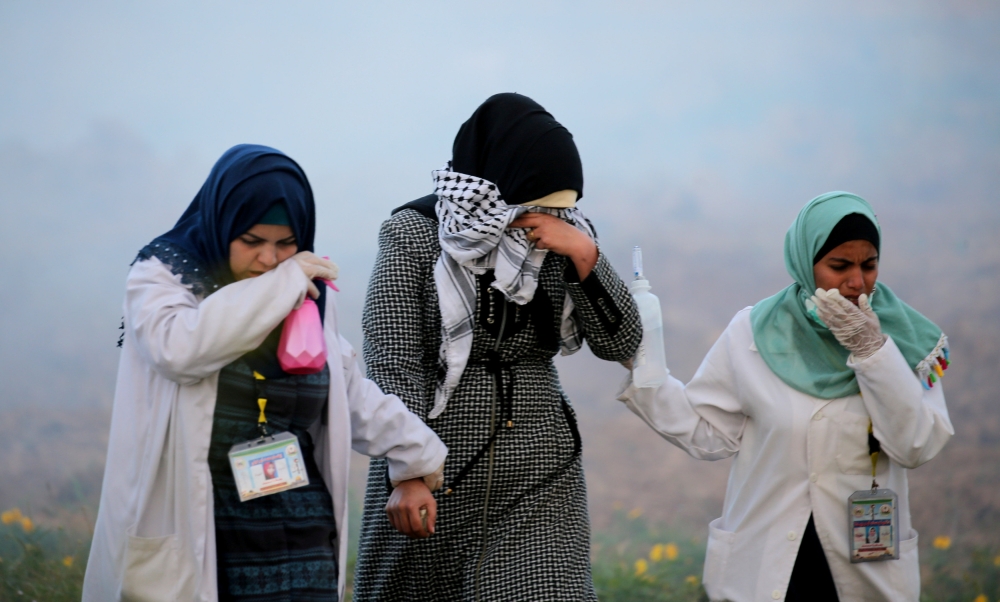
185, 339
705, 417
393, 313
605, 310
911, 423
382, 427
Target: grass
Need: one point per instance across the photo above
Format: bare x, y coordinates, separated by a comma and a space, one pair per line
39, 564
633, 561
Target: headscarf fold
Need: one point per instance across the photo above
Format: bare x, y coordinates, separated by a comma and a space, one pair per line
803, 352
510, 147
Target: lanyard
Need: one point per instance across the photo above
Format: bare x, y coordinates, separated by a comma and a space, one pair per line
874, 447
262, 403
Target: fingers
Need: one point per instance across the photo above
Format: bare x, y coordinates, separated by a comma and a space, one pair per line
311, 289
411, 509
316, 267
397, 516
841, 302
864, 303
431, 508
416, 522
531, 220
832, 300
334, 267
403, 524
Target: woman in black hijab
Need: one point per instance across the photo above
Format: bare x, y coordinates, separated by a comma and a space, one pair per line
475, 289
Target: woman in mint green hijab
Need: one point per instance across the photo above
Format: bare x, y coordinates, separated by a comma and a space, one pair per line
789, 334
800, 389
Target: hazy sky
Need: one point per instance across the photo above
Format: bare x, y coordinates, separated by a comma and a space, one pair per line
729, 115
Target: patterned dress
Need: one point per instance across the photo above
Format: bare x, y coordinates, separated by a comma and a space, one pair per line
515, 526
277, 547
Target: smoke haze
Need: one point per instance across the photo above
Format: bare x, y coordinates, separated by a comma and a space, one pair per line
703, 129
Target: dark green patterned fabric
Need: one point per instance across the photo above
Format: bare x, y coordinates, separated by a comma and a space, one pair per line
279, 547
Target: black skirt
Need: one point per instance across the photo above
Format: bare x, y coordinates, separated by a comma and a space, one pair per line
811, 578
278, 547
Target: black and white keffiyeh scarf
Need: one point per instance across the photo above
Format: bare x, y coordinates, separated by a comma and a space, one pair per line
472, 230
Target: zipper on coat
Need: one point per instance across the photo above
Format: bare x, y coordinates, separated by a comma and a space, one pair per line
489, 465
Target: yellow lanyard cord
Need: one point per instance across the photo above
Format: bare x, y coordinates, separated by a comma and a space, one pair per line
262, 402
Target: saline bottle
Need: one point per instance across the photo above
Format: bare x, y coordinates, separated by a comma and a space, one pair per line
649, 367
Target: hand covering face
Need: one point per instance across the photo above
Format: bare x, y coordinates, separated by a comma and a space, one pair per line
798, 347
856, 327
511, 151
244, 184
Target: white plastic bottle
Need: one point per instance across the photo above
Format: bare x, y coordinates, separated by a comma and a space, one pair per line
649, 367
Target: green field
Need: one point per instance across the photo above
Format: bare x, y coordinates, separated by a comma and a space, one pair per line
633, 561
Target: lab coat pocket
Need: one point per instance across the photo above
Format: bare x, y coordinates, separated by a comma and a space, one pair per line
907, 575
852, 444
716, 558
155, 571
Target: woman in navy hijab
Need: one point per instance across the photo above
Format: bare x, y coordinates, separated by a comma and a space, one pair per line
204, 310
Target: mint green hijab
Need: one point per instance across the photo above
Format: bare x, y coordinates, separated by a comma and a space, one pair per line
799, 349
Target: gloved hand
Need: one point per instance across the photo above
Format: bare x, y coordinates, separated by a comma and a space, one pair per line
315, 267
434, 481
855, 326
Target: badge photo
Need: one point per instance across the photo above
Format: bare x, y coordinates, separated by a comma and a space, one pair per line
267, 465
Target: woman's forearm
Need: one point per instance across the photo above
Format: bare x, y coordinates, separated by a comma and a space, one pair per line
602, 302
186, 340
911, 424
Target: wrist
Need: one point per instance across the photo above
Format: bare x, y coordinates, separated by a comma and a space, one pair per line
585, 257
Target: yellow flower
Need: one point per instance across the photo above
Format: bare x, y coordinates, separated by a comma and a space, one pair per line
641, 566
634, 513
656, 554
27, 524
671, 551
10, 516
942, 542
981, 598
996, 561
691, 580
68, 561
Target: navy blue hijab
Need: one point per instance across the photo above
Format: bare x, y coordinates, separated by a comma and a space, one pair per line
243, 184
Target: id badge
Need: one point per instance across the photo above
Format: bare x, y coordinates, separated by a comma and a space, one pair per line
268, 465
873, 524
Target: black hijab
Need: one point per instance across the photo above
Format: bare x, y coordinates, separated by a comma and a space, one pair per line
243, 185
513, 142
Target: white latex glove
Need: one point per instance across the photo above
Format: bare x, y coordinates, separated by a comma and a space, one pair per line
855, 326
315, 267
434, 481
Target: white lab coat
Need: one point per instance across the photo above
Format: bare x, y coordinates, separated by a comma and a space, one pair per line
797, 455
155, 534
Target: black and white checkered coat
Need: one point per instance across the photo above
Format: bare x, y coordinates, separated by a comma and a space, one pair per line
516, 528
